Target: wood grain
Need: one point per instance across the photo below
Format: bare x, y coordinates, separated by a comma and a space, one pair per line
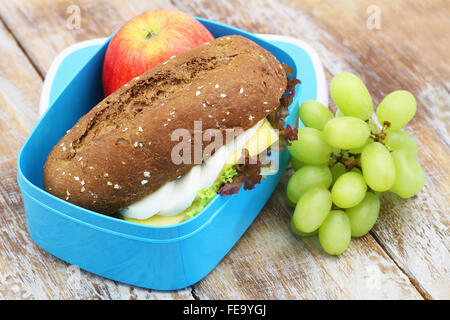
413, 232
42, 29
405, 256
26, 271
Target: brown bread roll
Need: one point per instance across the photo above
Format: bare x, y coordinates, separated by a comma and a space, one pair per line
120, 151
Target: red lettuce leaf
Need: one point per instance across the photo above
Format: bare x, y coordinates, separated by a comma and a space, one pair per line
249, 175
278, 116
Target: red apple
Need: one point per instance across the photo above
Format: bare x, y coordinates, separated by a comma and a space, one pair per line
147, 40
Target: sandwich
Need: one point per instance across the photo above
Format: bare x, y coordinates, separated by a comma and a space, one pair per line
134, 155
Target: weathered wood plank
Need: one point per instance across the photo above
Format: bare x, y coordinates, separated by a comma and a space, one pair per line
268, 260
26, 271
44, 28
414, 232
18, 84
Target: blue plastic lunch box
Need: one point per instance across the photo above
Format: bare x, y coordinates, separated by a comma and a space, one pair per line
162, 258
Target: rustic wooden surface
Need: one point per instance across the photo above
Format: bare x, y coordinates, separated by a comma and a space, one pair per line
406, 255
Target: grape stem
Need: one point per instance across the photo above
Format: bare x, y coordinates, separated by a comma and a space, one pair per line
335, 207
349, 164
381, 136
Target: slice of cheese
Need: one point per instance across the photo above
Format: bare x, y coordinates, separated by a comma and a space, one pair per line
158, 220
264, 137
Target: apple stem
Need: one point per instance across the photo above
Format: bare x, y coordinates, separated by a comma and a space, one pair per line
150, 34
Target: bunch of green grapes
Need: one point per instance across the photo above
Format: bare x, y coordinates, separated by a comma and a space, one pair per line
343, 164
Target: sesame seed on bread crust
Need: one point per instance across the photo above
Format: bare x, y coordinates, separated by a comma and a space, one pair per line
120, 151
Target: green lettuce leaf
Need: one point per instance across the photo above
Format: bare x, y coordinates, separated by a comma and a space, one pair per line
205, 195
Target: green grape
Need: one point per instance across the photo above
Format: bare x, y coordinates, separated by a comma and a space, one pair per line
335, 232
337, 170
357, 150
397, 109
399, 139
410, 177
364, 215
351, 96
307, 177
312, 208
314, 114
377, 167
357, 170
296, 164
339, 113
346, 155
348, 190
346, 132
299, 233
360, 149
373, 129
289, 202
336, 151
310, 147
